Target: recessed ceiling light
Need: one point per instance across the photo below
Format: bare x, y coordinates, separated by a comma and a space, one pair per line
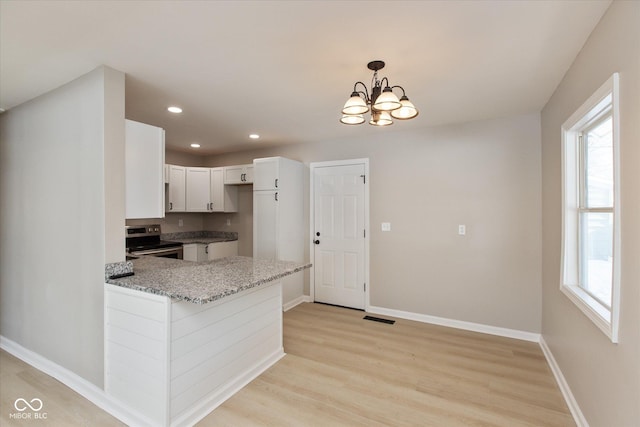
194, 145
174, 109
254, 136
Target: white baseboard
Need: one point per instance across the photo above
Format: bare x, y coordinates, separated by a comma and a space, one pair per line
302, 298
84, 388
578, 416
219, 397
458, 324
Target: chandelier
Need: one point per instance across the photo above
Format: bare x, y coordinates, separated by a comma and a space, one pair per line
383, 103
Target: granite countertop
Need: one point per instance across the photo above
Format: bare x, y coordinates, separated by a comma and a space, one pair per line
204, 237
203, 240
200, 282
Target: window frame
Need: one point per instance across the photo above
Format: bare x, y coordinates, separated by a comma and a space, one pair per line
589, 113
583, 203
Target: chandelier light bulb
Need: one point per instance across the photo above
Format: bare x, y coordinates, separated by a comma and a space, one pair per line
406, 112
352, 119
380, 118
355, 105
387, 101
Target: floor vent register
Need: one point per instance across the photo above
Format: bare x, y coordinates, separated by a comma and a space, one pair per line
379, 319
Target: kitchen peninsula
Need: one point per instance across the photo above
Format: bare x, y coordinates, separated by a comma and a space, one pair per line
181, 337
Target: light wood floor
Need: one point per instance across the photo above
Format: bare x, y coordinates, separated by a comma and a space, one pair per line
341, 370
62, 406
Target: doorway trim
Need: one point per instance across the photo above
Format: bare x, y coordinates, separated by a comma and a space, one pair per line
312, 246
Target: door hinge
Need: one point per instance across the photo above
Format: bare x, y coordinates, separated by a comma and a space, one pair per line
364, 233
364, 179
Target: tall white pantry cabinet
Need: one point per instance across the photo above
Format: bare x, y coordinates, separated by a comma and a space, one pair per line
278, 217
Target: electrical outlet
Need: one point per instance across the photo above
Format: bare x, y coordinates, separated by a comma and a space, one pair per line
180, 223
462, 229
228, 222
386, 226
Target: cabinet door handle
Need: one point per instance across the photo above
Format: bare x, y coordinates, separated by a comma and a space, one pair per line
276, 196
317, 242
209, 206
206, 249
276, 182
243, 177
170, 206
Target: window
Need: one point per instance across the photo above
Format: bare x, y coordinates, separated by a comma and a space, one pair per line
591, 214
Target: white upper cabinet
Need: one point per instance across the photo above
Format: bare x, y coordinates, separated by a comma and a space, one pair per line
266, 173
198, 190
216, 186
144, 171
176, 196
240, 174
224, 198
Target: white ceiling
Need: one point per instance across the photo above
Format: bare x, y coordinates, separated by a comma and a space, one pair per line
284, 69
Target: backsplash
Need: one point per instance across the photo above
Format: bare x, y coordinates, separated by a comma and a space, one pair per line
171, 223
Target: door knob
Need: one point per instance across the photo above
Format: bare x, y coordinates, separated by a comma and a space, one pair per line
318, 234
317, 242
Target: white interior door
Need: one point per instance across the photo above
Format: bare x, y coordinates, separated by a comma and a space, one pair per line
339, 235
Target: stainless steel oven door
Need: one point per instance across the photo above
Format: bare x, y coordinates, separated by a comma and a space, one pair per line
175, 253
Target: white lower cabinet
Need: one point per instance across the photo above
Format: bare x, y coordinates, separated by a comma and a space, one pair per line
172, 362
194, 252
222, 250
199, 252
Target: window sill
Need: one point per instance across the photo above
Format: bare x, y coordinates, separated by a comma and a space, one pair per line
598, 314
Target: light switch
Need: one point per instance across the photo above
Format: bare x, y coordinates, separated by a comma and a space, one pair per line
180, 223
386, 226
462, 229
228, 222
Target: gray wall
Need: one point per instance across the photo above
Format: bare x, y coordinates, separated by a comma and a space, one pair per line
483, 174
57, 208
604, 377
